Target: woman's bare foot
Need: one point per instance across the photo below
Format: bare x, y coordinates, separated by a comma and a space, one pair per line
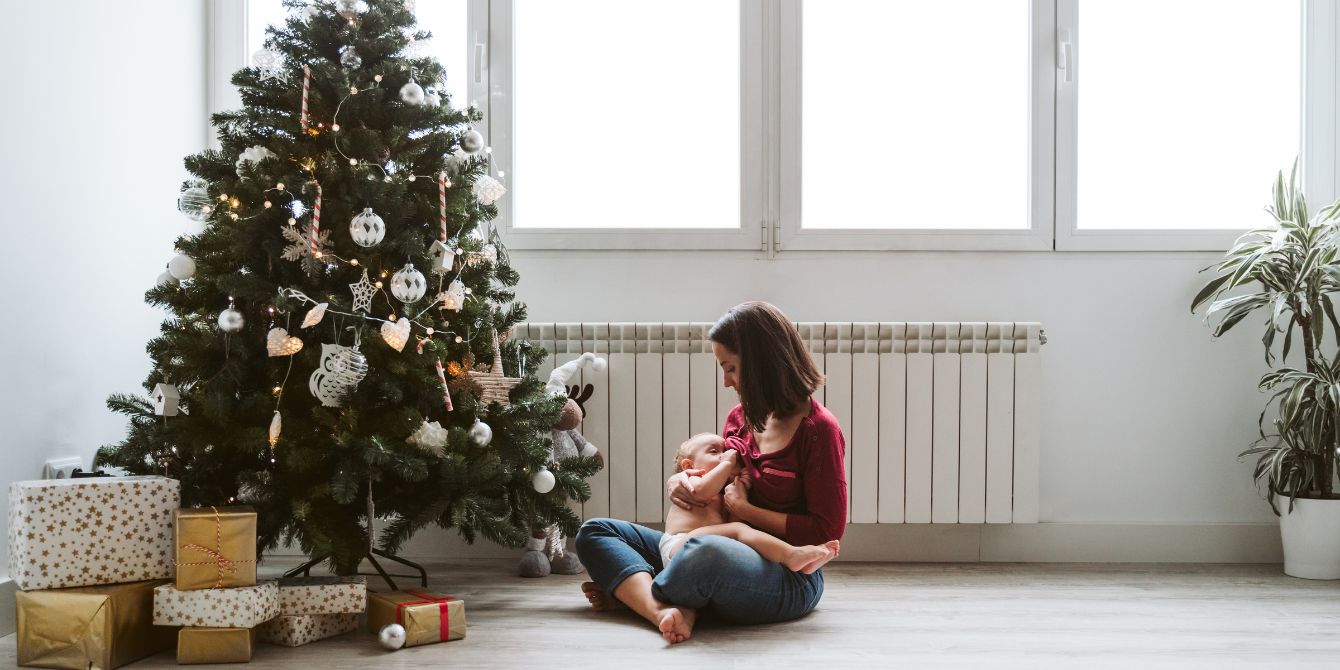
600, 601
825, 553
676, 624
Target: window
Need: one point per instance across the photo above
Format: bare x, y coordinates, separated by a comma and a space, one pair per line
880, 124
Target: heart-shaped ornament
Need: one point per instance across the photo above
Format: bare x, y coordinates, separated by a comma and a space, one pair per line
396, 333
279, 343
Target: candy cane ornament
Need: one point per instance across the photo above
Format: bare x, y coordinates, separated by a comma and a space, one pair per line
316, 222
446, 395
306, 85
442, 204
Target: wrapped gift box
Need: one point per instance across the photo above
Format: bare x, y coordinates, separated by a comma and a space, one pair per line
216, 547
98, 530
89, 627
322, 595
240, 607
427, 616
214, 645
297, 630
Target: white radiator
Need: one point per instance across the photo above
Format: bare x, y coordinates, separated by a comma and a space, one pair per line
941, 419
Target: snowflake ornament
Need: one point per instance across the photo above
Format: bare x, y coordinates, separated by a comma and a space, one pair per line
300, 248
270, 65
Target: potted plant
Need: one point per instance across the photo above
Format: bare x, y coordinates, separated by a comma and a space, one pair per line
1294, 263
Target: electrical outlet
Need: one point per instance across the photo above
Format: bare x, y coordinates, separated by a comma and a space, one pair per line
60, 468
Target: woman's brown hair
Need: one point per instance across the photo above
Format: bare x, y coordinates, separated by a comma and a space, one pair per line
776, 373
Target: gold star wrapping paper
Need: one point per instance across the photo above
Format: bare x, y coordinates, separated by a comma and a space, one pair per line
215, 645
89, 626
297, 630
240, 607
95, 530
216, 547
322, 595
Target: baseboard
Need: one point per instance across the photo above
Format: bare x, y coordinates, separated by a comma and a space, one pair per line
8, 609
1023, 543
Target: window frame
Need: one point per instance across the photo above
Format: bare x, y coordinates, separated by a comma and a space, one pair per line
770, 139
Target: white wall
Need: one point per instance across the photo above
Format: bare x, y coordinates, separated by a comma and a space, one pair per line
102, 102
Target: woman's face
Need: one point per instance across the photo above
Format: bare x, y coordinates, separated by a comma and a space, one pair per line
730, 366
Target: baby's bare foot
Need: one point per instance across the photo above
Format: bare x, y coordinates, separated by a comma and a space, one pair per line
600, 601
829, 552
803, 556
676, 624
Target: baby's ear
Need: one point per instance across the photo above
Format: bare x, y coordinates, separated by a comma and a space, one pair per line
685, 464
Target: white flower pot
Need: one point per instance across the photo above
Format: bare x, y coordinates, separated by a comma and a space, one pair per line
1311, 536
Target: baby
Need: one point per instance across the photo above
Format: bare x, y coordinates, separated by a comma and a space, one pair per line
708, 452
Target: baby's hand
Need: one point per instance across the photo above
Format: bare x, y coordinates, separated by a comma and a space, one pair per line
730, 456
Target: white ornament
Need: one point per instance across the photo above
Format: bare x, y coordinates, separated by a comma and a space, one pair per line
391, 636
314, 315
194, 203
543, 481
276, 425
310, 12
363, 291
255, 154
166, 398
442, 256
231, 320
432, 99
279, 343
367, 228
165, 279
323, 384
488, 254
412, 93
408, 284
456, 160
472, 141
480, 433
194, 228
350, 367
488, 190
350, 59
181, 267
454, 297
430, 436
270, 64
396, 333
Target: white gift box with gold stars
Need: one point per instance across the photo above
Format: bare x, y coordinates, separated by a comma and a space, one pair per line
89, 531
235, 607
322, 595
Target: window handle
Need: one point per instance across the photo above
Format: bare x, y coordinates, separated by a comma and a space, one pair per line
1065, 56
479, 62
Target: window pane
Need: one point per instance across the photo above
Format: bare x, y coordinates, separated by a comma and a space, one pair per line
1187, 109
916, 114
626, 114
445, 19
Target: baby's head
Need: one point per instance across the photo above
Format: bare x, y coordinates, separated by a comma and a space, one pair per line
700, 452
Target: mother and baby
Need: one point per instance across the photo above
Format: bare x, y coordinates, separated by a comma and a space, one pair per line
757, 510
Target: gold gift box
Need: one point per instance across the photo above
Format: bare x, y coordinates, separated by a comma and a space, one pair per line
214, 645
428, 617
216, 547
101, 627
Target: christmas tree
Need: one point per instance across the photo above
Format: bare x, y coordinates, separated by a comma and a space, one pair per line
338, 317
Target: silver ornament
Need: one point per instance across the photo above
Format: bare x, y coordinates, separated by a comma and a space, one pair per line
231, 320
408, 284
480, 433
350, 8
472, 141
194, 203
543, 481
367, 228
181, 266
432, 99
391, 636
412, 93
350, 59
349, 367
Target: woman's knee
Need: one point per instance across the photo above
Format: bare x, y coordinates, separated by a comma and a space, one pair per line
593, 529
709, 551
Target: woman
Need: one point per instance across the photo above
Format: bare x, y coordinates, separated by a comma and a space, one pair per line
796, 489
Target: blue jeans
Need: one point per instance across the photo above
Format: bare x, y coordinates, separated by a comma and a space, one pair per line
709, 572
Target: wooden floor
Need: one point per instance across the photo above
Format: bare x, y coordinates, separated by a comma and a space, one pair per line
879, 615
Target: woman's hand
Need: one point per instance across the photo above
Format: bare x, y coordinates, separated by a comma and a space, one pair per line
736, 498
681, 492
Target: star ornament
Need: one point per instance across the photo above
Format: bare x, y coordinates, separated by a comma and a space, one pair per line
363, 291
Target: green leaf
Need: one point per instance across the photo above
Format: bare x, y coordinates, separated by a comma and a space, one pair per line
1208, 291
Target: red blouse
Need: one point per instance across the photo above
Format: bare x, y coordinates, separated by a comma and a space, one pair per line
806, 479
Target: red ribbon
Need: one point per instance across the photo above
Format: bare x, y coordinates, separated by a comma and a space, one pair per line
444, 616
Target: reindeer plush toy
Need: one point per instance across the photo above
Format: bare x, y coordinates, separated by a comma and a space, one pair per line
545, 550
